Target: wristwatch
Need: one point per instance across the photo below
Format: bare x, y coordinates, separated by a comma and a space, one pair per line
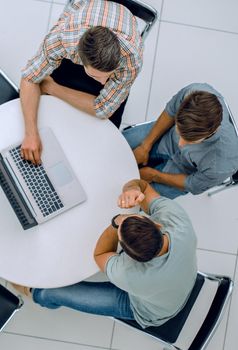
113, 222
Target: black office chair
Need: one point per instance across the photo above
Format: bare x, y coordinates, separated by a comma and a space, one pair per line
8, 90
139, 9
193, 327
9, 304
232, 180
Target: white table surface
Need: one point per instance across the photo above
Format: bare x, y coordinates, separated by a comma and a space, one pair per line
60, 251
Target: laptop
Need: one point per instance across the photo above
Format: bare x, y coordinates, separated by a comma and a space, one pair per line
38, 193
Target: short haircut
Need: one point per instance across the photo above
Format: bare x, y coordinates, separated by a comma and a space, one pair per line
99, 48
199, 115
141, 238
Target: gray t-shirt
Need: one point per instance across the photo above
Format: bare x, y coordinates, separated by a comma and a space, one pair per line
208, 163
159, 288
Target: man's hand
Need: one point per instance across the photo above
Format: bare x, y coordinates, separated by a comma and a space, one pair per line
141, 154
47, 86
149, 174
31, 148
130, 198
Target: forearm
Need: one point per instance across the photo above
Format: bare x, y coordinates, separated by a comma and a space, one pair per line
78, 99
30, 96
174, 180
137, 184
137, 192
163, 123
107, 242
146, 191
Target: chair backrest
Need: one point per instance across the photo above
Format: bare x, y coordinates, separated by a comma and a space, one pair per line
232, 180
9, 304
139, 9
193, 327
8, 90
143, 11
232, 119
235, 177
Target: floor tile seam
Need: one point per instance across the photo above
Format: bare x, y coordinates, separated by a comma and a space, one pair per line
50, 12
162, 20
199, 27
112, 335
48, 1
59, 3
55, 340
229, 306
217, 251
154, 61
49, 16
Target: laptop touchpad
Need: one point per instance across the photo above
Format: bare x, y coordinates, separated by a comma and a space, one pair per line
60, 174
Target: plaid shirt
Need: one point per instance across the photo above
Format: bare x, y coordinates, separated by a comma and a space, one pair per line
63, 39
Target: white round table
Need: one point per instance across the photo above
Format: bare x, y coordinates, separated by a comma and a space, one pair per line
60, 251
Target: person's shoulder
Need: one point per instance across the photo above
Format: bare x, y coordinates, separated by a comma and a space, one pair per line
120, 268
172, 216
201, 87
116, 262
162, 204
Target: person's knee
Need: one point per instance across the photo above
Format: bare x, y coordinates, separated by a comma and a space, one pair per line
168, 191
135, 135
128, 134
45, 298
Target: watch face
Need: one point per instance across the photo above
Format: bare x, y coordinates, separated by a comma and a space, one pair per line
113, 221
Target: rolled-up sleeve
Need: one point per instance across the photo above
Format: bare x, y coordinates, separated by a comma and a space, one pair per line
201, 181
117, 89
46, 60
115, 271
110, 98
111, 267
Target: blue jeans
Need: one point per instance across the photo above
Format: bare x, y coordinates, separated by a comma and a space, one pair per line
100, 298
135, 136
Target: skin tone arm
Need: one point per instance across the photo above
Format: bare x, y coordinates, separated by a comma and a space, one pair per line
137, 192
78, 99
30, 94
134, 192
173, 180
106, 247
31, 146
141, 153
163, 123
81, 100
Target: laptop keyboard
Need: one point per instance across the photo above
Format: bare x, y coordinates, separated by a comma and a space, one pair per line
38, 183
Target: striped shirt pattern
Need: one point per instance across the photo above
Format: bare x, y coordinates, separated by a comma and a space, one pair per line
63, 39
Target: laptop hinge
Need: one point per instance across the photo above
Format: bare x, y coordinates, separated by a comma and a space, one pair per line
15, 197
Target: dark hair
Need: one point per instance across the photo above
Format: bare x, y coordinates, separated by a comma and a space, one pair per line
199, 115
99, 48
141, 238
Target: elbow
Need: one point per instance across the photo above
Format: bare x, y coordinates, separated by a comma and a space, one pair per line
196, 191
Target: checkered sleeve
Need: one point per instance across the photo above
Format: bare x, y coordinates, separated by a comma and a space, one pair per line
117, 88
47, 59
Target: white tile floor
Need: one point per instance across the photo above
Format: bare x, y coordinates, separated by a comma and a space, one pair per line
194, 41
